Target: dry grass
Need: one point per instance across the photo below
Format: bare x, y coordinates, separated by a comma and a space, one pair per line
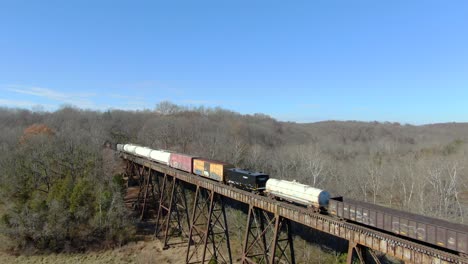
142, 252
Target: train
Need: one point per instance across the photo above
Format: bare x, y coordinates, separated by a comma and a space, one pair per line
442, 234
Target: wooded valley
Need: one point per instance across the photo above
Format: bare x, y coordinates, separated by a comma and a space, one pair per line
60, 187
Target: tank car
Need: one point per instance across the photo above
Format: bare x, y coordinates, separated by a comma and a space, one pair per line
143, 151
120, 147
130, 148
161, 156
295, 192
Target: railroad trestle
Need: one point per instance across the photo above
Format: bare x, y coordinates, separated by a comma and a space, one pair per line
202, 225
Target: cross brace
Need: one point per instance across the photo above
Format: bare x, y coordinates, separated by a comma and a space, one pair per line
362, 253
173, 217
268, 238
209, 236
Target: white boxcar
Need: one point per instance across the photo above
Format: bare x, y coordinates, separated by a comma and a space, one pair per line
299, 193
143, 151
160, 156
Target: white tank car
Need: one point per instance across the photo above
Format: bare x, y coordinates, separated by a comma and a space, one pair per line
160, 156
130, 148
143, 151
120, 147
299, 193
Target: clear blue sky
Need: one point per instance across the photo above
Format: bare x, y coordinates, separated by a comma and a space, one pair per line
404, 61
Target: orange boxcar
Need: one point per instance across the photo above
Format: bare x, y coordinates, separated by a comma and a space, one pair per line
212, 169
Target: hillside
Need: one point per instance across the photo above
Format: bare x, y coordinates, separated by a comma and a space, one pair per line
416, 168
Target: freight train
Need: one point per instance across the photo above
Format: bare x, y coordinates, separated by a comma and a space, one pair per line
443, 234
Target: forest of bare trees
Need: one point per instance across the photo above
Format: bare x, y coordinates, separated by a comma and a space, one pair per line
58, 189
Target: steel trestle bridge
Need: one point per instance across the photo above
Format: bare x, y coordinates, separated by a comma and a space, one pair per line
268, 235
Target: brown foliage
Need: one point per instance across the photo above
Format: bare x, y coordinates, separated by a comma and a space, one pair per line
36, 130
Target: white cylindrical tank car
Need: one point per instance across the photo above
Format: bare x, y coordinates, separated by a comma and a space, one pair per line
120, 147
130, 148
160, 156
299, 193
143, 151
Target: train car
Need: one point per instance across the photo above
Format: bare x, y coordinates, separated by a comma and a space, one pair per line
247, 180
161, 156
212, 169
293, 191
430, 230
130, 148
143, 151
120, 147
182, 162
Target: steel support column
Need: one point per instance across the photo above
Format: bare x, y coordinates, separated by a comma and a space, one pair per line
157, 185
283, 242
209, 236
140, 171
130, 172
173, 217
146, 192
268, 238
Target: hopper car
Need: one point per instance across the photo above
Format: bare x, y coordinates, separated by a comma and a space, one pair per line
247, 180
433, 231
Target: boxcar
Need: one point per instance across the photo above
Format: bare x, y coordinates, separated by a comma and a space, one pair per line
181, 162
434, 231
247, 180
212, 169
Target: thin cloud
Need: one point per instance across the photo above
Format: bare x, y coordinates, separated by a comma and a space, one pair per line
20, 103
78, 99
81, 100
